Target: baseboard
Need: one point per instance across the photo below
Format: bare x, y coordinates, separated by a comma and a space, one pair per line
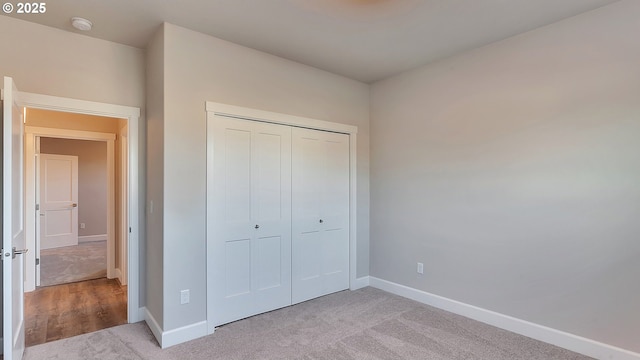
559, 338
91, 238
139, 315
153, 325
184, 334
175, 336
117, 274
360, 283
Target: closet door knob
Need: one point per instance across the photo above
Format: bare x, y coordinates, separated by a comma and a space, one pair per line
321, 221
257, 226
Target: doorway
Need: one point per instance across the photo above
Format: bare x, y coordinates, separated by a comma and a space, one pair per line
71, 186
76, 177
128, 200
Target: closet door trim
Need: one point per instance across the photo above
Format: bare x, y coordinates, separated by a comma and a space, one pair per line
214, 109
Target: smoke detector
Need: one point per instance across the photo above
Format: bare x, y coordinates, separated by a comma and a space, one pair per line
81, 23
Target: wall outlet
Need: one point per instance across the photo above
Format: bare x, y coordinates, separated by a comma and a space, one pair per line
83, 225
184, 297
420, 268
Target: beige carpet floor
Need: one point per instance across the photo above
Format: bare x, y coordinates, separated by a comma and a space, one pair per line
363, 324
85, 261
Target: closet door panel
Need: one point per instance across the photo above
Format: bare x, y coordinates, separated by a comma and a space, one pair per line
272, 214
269, 263
236, 167
249, 218
237, 262
320, 182
335, 213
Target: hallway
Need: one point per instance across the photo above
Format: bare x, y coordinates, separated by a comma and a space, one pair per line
62, 311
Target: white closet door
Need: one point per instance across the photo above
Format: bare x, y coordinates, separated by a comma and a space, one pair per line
249, 212
320, 203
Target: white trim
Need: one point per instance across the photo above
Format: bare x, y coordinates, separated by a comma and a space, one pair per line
69, 134
360, 283
92, 238
117, 274
240, 112
111, 210
183, 334
353, 205
175, 336
31, 239
152, 324
559, 338
124, 195
278, 118
132, 115
31, 223
55, 103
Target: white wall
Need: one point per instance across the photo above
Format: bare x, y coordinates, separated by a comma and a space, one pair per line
200, 68
48, 61
155, 172
512, 172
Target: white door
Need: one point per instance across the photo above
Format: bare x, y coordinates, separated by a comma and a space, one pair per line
249, 218
58, 201
13, 240
320, 207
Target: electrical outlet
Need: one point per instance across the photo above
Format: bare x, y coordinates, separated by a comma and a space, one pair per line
420, 268
83, 225
184, 297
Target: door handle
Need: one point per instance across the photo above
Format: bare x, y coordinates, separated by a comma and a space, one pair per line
257, 226
74, 205
17, 252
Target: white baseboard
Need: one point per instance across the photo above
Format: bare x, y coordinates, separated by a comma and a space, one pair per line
92, 238
360, 283
117, 274
184, 334
139, 315
122, 279
559, 338
175, 336
156, 330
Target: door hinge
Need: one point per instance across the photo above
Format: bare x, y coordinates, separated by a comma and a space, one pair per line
37, 206
37, 261
129, 229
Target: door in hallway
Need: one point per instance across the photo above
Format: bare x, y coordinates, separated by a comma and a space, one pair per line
58, 200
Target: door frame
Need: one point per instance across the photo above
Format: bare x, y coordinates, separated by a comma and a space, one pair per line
32, 147
243, 113
132, 116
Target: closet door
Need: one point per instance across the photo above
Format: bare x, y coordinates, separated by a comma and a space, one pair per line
320, 203
249, 215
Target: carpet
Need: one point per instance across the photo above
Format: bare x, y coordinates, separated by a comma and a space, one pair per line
363, 324
85, 261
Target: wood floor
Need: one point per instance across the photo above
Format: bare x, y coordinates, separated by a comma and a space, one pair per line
62, 311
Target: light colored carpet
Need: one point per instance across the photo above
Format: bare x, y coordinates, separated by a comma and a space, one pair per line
363, 324
85, 261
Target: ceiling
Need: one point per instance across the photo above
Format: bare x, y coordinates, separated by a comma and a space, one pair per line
366, 40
